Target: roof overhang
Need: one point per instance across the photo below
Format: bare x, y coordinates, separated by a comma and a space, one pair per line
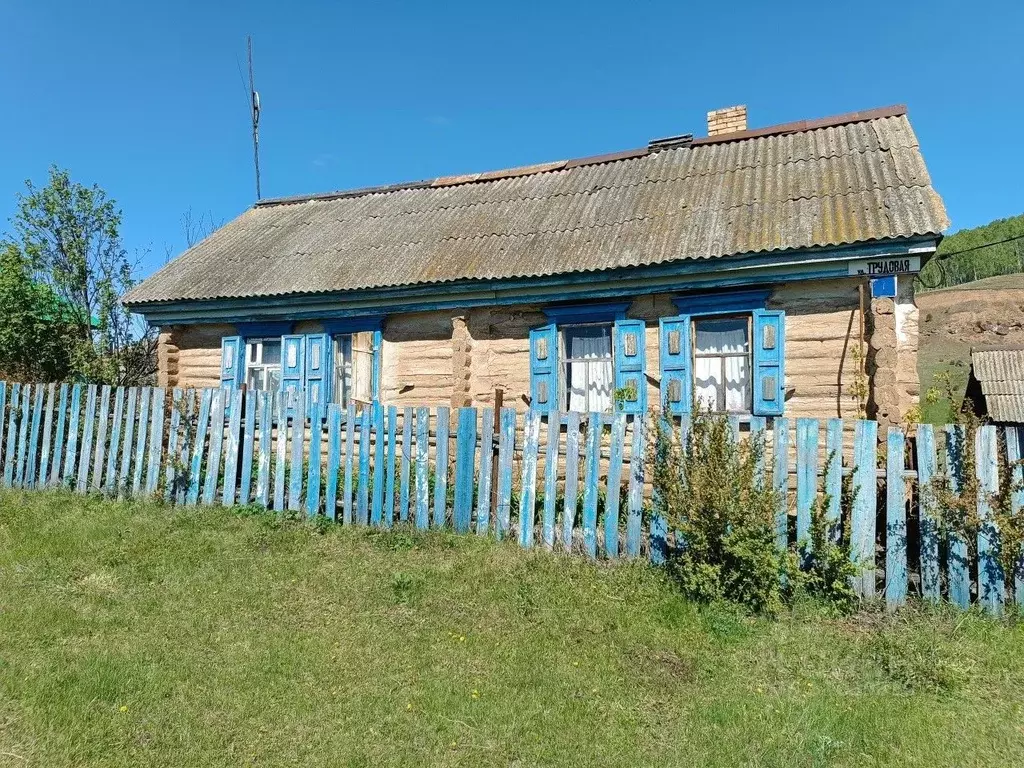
682, 275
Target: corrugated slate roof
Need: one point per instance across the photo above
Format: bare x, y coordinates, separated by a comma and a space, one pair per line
851, 179
1001, 375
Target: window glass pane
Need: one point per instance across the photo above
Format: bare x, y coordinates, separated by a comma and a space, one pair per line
274, 378
707, 384
271, 352
588, 341
722, 336
589, 375
254, 378
737, 384
362, 375
342, 369
722, 364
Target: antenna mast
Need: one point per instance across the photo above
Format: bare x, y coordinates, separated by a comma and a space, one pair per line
254, 98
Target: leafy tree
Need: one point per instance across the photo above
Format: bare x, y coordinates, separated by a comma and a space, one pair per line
36, 332
71, 237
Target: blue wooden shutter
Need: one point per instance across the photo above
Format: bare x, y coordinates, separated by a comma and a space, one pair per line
318, 366
629, 364
676, 362
231, 363
769, 362
544, 368
292, 368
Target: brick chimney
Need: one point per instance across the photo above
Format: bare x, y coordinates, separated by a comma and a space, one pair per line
727, 120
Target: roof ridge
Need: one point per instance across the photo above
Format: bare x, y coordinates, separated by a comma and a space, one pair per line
799, 126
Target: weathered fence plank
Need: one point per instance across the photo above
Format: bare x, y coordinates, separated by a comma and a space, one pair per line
198, 447
313, 476
59, 442
591, 478
44, 454
333, 461
483, 504
806, 477
636, 488
145, 401
250, 399
422, 467
350, 448
71, 449
110, 478
958, 570
216, 447
12, 431
927, 466
390, 459
1014, 455
780, 481
611, 510
267, 403
102, 417
551, 478
403, 499
26, 416
33, 440
283, 407
758, 424
506, 447
895, 521
834, 476
441, 465
379, 442
5, 446
571, 491
127, 437
862, 533
465, 453
156, 440
18, 446
231, 449
173, 449
85, 456
991, 580
363, 503
528, 488
295, 466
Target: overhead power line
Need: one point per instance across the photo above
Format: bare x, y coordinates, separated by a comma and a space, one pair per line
979, 247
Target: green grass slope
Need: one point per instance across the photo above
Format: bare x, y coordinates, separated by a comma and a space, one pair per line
133, 635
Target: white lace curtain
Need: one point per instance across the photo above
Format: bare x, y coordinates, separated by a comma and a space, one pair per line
722, 382
589, 375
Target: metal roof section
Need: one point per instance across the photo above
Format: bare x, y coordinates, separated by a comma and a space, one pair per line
1000, 371
851, 179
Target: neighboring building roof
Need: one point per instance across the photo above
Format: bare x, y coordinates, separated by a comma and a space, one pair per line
851, 179
1000, 372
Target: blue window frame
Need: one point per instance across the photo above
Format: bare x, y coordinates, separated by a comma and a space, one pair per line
588, 358
727, 349
268, 356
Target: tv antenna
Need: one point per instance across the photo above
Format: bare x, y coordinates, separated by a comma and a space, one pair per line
254, 99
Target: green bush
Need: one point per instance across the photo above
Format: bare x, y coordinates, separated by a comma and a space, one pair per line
711, 493
826, 568
722, 507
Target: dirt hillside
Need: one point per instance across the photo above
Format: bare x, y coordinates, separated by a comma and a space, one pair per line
984, 313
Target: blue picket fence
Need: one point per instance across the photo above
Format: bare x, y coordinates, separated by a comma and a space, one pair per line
570, 482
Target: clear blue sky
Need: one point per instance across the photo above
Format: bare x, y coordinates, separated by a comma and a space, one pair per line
146, 98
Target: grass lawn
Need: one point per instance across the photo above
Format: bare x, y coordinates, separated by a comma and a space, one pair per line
133, 635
